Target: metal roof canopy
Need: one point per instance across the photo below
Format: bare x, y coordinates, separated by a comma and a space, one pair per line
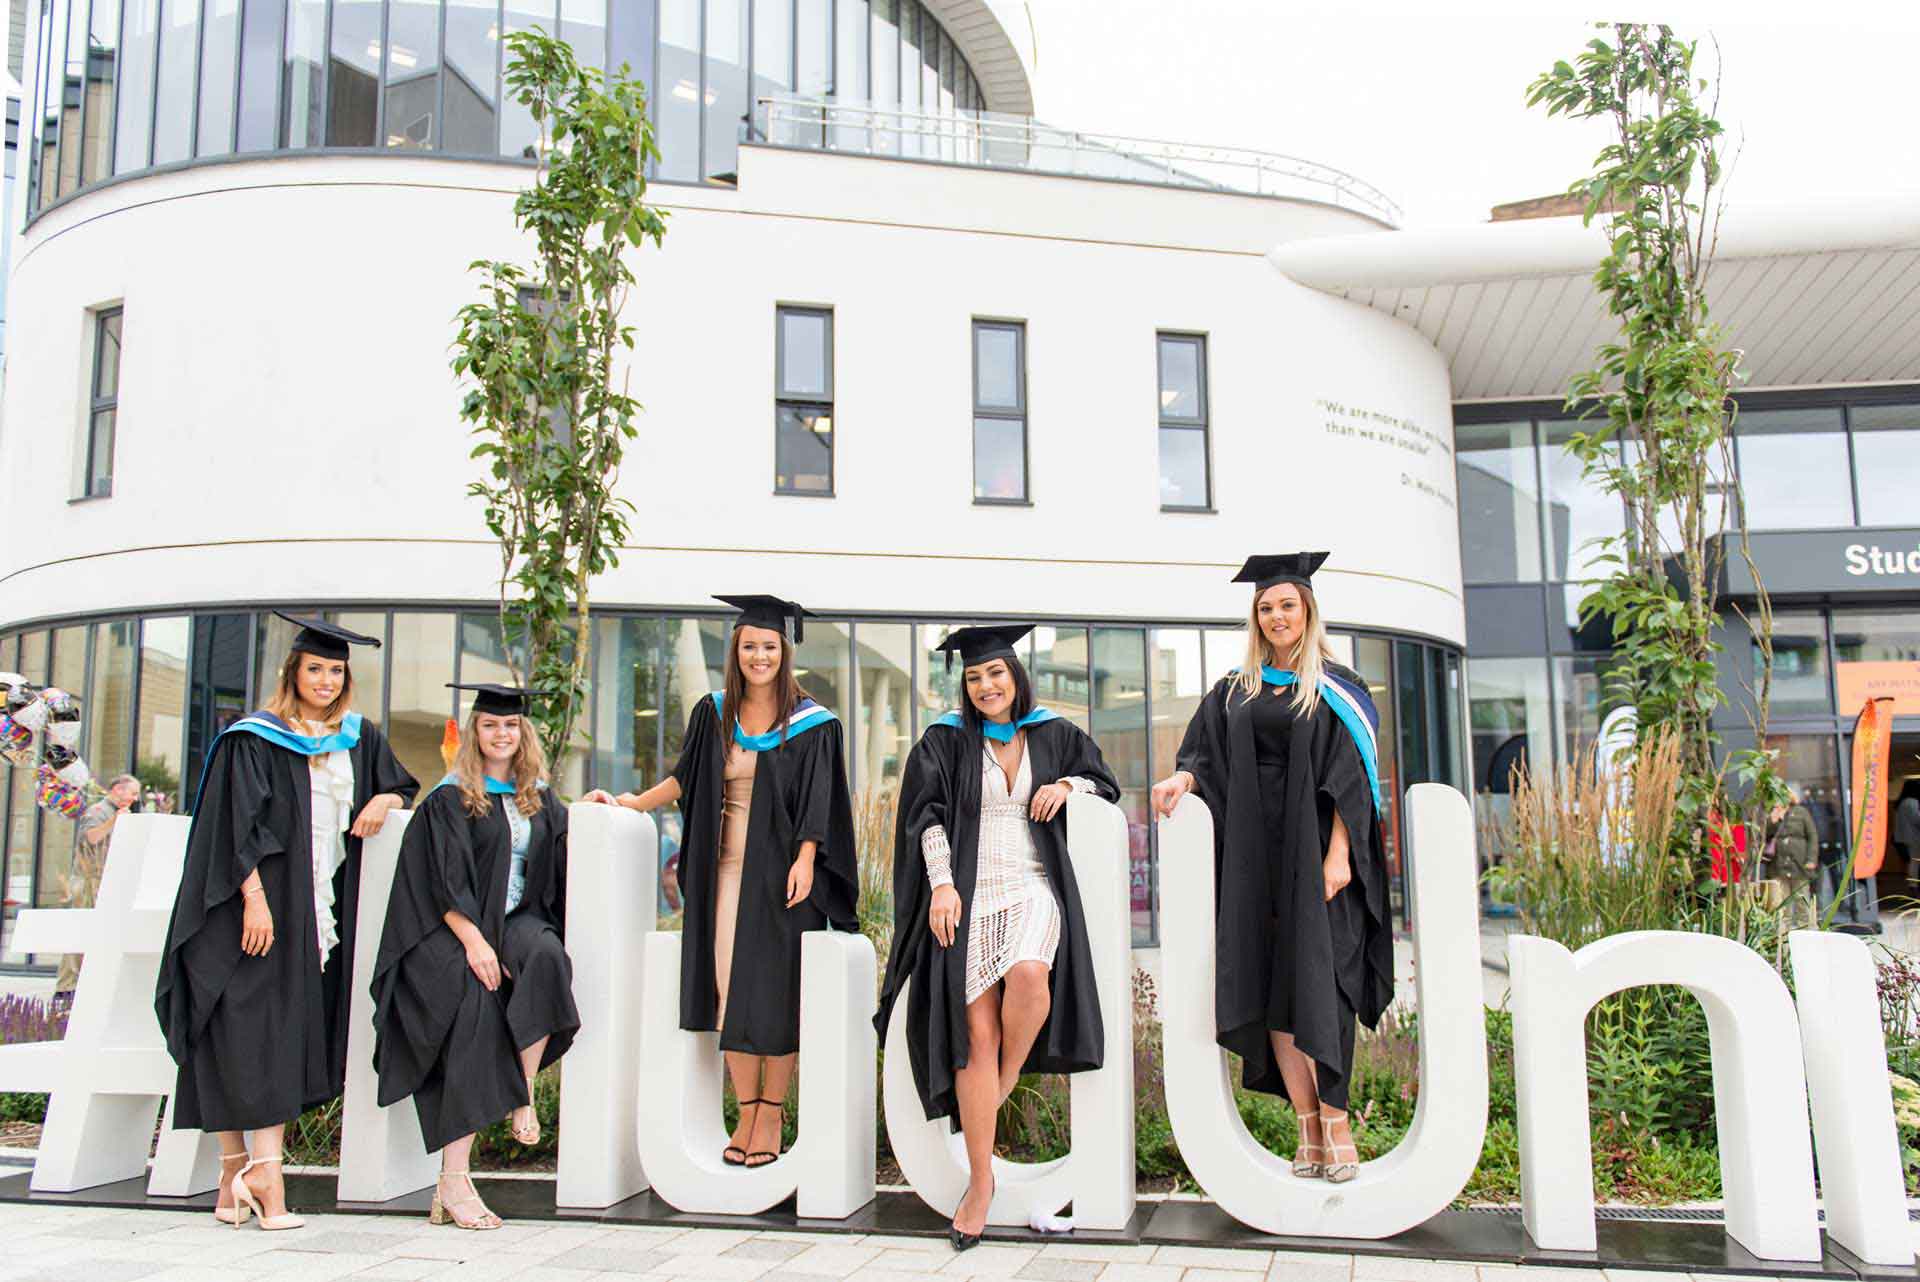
1814, 295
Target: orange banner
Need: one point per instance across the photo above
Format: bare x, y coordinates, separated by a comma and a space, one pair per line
1872, 741
1880, 679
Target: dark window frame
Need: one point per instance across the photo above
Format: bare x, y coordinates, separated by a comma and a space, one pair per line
1201, 423
803, 402
1019, 414
98, 404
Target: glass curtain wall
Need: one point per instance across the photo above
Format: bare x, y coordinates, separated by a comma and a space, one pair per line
124, 85
156, 691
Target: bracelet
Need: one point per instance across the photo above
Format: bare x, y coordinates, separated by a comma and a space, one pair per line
253, 890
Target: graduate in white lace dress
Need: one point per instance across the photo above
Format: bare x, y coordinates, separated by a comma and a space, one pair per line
987, 917
255, 982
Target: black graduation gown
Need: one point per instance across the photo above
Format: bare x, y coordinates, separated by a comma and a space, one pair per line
799, 795
259, 1040
941, 785
1285, 957
439, 1035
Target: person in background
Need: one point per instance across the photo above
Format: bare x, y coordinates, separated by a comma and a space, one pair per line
1906, 831
1793, 858
90, 864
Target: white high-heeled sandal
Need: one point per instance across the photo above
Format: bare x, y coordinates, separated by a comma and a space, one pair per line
235, 1214
243, 1197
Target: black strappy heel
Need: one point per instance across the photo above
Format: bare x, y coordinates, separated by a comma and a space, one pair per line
727, 1154
773, 1157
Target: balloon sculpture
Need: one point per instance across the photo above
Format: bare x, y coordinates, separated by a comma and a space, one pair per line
61, 778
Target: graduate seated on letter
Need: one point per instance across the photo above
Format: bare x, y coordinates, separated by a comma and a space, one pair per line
1283, 753
256, 981
987, 915
766, 855
473, 989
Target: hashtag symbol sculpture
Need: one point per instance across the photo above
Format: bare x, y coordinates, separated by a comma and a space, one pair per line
107, 1078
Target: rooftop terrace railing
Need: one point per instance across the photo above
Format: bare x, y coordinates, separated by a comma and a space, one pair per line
992, 141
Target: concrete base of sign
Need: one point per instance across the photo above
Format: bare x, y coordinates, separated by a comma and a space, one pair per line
1482, 1237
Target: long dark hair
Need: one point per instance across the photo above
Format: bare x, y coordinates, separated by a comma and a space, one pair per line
1022, 697
786, 690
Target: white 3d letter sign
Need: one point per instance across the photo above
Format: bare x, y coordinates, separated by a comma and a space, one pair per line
1097, 1175
681, 1131
108, 1077
1431, 1166
642, 1098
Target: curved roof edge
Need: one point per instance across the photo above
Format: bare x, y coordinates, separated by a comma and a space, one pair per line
998, 41
1524, 248
1821, 294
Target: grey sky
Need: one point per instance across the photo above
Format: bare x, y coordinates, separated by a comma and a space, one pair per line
1433, 110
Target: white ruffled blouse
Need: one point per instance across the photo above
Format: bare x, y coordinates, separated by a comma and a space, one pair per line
331, 775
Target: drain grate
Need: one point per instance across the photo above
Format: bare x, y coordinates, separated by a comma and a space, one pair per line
1680, 1214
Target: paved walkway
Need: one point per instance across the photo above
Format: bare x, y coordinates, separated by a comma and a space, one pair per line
76, 1244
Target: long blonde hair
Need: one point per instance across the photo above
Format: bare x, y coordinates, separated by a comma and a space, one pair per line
528, 768
1308, 661
285, 703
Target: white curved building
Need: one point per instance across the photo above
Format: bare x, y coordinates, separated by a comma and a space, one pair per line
904, 359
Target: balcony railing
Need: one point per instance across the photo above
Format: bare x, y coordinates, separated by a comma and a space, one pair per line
993, 141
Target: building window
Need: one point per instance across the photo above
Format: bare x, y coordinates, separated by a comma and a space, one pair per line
803, 401
1793, 469
105, 404
1185, 478
999, 412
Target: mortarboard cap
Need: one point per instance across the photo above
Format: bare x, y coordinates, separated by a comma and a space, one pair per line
1291, 567
757, 610
498, 700
976, 645
327, 640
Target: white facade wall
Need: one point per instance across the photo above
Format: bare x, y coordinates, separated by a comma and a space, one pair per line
288, 425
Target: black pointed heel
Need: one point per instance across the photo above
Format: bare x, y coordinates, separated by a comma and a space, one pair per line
967, 1241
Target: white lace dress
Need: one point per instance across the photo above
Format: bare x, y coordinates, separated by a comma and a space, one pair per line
331, 775
1015, 917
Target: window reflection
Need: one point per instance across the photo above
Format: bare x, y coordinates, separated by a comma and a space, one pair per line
219, 50
306, 74
353, 74
1499, 502
1800, 677
58, 834
159, 734
1511, 725
419, 705
261, 35
473, 49
725, 100
519, 134
1120, 727
883, 730
1793, 469
1886, 462
132, 131
413, 74
109, 699
173, 117
1578, 510
255, 75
